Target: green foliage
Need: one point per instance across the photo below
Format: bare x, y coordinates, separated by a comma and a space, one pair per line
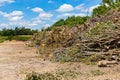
70, 21
106, 6
110, 3
18, 37
10, 38
59, 23
100, 10
3, 38
22, 37
17, 31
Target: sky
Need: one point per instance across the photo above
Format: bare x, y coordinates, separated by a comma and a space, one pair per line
38, 14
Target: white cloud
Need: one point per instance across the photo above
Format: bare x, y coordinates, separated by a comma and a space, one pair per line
45, 16
50, 1
36, 21
42, 14
20, 23
3, 25
90, 9
65, 8
65, 15
37, 9
13, 16
70, 14
15, 13
80, 14
46, 26
93, 7
2, 2
79, 7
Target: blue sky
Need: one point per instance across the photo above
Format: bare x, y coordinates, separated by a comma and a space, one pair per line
37, 14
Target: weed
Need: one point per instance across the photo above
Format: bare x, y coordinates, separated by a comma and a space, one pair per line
58, 75
97, 72
93, 59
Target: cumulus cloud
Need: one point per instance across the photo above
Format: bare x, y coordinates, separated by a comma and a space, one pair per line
3, 25
13, 16
20, 23
42, 14
65, 8
45, 16
2, 2
79, 7
37, 9
16, 18
70, 14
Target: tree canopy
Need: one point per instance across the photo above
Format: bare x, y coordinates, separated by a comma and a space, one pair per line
106, 6
17, 31
70, 21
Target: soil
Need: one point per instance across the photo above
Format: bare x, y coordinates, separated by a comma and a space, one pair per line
17, 59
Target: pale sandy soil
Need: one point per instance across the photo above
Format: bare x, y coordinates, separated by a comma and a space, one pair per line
16, 60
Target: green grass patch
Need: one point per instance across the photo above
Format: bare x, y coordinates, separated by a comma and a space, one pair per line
3, 38
22, 37
19, 38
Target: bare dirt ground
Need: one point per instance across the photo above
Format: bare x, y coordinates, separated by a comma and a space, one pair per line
16, 60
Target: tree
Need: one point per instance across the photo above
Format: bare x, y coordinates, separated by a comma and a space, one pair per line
17, 31
59, 23
106, 6
108, 2
70, 21
100, 10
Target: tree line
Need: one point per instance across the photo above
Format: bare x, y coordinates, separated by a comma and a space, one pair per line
69, 22
106, 6
17, 31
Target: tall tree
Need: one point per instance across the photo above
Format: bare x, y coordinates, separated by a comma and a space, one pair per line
110, 3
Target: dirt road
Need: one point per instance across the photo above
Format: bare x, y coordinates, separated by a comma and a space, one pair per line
16, 60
